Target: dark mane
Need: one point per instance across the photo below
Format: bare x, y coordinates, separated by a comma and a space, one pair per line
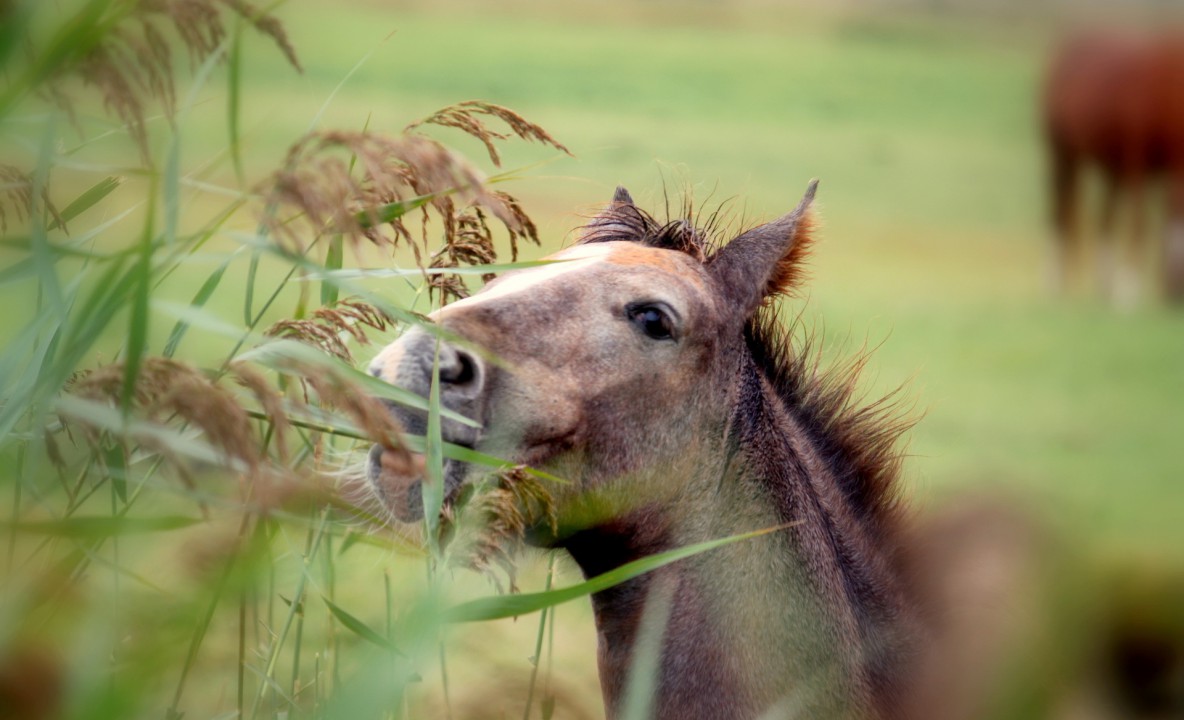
858, 438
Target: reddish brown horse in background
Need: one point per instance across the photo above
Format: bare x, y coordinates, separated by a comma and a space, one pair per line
1116, 102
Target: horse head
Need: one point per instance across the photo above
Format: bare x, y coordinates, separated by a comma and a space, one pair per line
603, 365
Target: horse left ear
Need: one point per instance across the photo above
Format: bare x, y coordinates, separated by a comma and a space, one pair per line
765, 261
621, 220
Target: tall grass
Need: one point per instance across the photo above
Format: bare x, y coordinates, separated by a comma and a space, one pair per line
177, 538
179, 408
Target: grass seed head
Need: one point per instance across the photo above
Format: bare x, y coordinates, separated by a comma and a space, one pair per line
465, 116
370, 414
270, 401
363, 185
327, 326
16, 191
130, 61
168, 390
487, 524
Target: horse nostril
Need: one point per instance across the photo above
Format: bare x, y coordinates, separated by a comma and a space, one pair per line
461, 371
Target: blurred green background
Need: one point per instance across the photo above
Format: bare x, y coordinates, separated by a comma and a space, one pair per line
919, 119
922, 126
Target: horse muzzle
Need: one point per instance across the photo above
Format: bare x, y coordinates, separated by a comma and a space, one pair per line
410, 363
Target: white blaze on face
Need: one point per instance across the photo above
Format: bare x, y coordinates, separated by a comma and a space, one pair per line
567, 261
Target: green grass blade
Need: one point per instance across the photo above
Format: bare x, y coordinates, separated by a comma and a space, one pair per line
260, 244
171, 190
18, 271
43, 256
417, 443
88, 199
433, 486
273, 655
536, 660
203, 624
104, 526
26, 374
334, 257
194, 316
77, 36
234, 73
646, 660
14, 28
503, 606
359, 628
392, 211
74, 247
137, 336
249, 296
95, 312
316, 119
203, 295
116, 469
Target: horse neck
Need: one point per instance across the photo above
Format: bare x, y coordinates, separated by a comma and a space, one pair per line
805, 616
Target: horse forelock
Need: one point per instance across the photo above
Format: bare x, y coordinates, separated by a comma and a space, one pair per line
631, 224
687, 228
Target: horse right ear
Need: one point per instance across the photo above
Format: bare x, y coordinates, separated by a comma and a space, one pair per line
764, 261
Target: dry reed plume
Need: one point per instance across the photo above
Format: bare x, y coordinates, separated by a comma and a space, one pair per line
328, 325
254, 452
16, 191
172, 393
325, 331
131, 63
359, 186
168, 390
465, 116
487, 523
318, 192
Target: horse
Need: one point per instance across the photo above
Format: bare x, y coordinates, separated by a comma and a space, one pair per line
647, 366
1116, 102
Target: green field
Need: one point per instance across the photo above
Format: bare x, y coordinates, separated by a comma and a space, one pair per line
933, 245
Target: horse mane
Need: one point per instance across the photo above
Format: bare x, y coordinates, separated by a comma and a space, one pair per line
858, 438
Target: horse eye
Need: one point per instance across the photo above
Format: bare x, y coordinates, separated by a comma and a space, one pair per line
653, 321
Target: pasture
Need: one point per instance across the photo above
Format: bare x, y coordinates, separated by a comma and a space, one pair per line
934, 239
933, 249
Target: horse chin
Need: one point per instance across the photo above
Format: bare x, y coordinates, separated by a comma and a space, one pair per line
399, 485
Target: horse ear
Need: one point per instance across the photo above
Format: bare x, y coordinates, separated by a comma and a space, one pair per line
764, 261
621, 220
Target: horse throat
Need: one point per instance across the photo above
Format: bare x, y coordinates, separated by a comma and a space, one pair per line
804, 618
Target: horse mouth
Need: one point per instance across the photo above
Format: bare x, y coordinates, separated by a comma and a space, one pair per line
397, 478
